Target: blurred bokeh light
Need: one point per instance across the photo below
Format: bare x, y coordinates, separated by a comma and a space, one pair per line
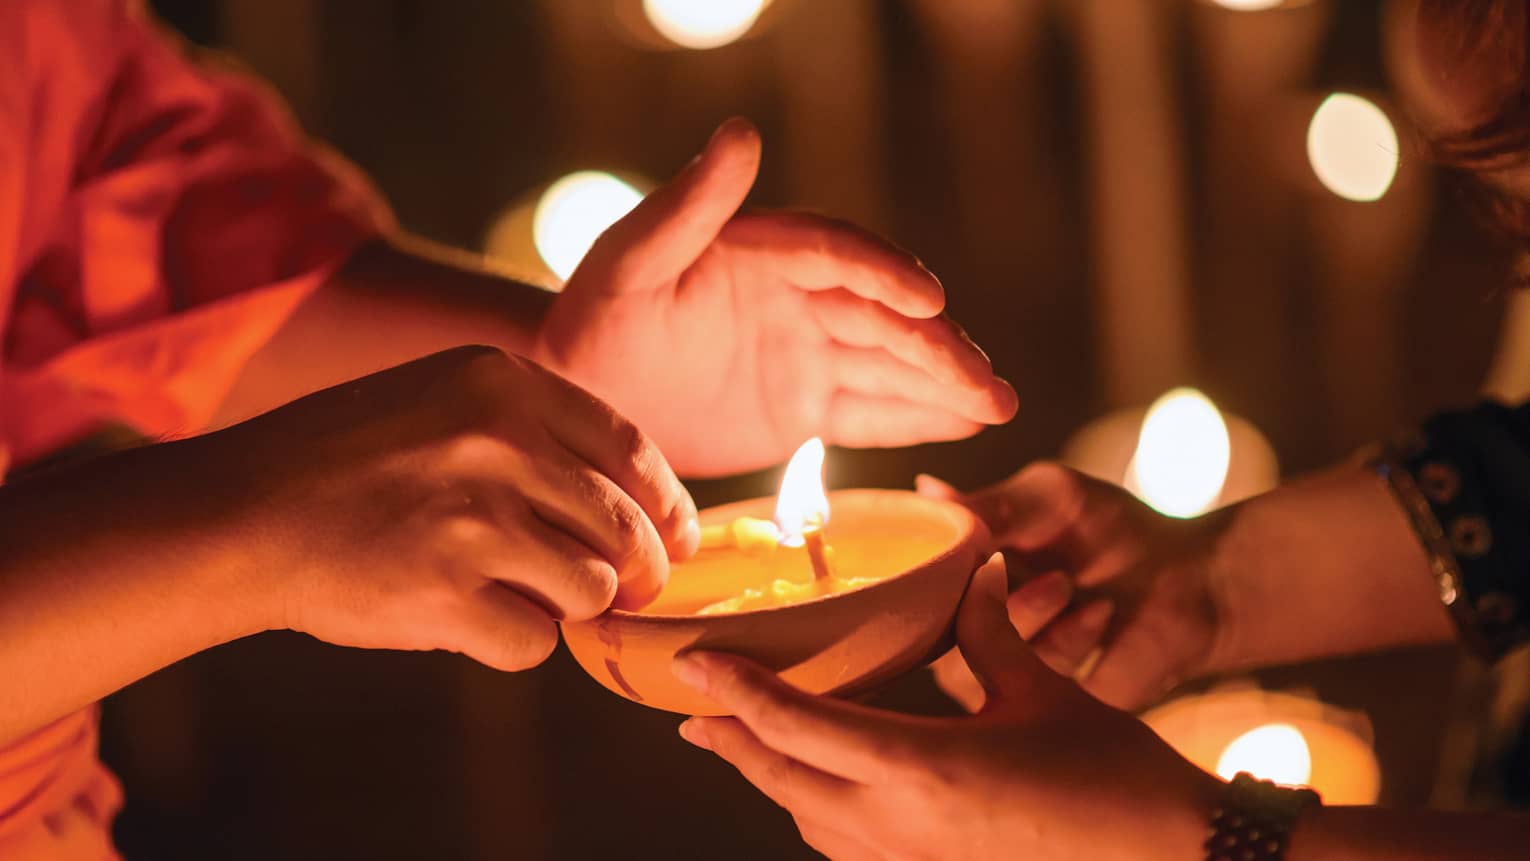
703, 24
1249, 5
1352, 147
573, 212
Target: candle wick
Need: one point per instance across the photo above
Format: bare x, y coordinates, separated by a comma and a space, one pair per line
817, 552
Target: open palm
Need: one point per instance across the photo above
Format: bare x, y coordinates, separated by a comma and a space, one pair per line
730, 338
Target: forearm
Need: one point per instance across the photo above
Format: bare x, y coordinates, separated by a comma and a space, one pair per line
1369, 833
393, 302
111, 570
1325, 565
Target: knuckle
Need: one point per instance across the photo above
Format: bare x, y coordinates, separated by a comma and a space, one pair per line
636, 450
1066, 490
476, 358
769, 713
472, 451
1042, 473
727, 678
779, 774
464, 533
627, 522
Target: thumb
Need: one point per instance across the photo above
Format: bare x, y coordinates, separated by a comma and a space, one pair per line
670, 228
935, 488
1004, 665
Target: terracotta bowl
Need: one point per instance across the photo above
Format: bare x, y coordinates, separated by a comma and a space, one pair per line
925, 551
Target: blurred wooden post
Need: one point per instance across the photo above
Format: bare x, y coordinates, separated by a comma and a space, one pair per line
1365, 253
584, 61
832, 152
1138, 191
1006, 210
992, 117
1246, 64
280, 40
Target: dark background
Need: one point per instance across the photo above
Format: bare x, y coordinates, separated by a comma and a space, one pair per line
1107, 226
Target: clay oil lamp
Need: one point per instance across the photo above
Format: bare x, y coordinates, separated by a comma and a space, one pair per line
838, 592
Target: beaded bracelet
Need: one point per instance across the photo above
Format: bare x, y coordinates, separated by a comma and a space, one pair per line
1255, 819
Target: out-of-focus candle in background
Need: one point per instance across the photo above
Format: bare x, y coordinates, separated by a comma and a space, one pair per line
547, 231
1182, 455
1183, 452
1282, 737
572, 214
703, 24
1249, 5
1276, 752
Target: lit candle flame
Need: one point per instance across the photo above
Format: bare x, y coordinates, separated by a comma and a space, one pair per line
1182, 456
1276, 752
802, 504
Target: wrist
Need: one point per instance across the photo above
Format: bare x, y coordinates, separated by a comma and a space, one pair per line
1227, 576
1179, 833
223, 511
1253, 820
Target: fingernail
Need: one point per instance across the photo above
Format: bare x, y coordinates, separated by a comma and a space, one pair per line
1046, 594
690, 536
690, 669
1006, 396
967, 339
997, 583
692, 731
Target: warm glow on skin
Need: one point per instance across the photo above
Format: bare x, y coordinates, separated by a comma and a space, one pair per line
572, 214
1353, 148
1182, 455
1276, 752
703, 24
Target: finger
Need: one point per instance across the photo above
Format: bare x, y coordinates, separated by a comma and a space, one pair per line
840, 738
993, 650
834, 844
557, 571
935, 345
503, 629
799, 788
670, 228
1022, 567
955, 678
815, 252
105, 797
574, 498
1048, 516
504, 540
935, 488
600, 436
1067, 643
1038, 601
1139, 666
855, 420
871, 371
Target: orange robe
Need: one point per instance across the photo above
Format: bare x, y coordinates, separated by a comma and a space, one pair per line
159, 219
